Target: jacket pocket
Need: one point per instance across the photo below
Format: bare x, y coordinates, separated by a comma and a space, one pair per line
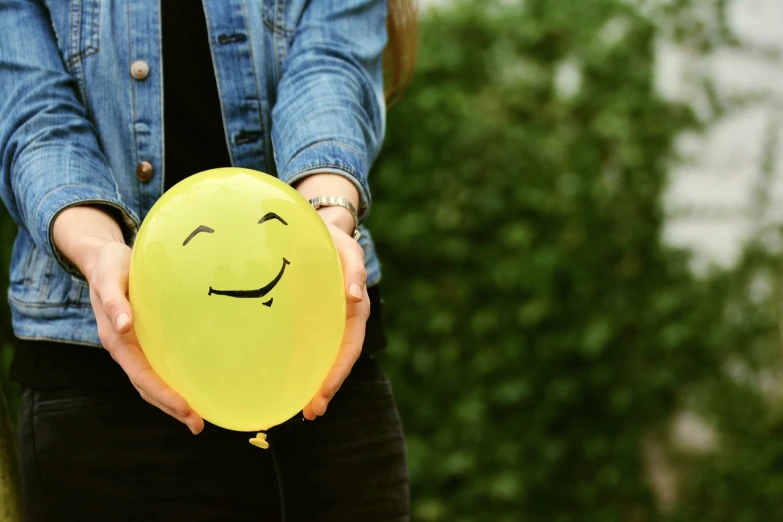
76, 25
83, 31
281, 18
277, 17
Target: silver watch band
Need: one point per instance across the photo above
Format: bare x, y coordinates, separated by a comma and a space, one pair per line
332, 201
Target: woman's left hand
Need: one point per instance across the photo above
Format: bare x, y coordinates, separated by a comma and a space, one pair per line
340, 224
356, 313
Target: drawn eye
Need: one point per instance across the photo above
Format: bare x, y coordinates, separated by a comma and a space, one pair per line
270, 216
199, 229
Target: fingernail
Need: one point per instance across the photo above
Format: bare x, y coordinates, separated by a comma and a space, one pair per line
355, 290
122, 320
325, 406
331, 393
192, 431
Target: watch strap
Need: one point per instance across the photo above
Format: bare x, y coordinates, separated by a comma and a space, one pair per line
334, 201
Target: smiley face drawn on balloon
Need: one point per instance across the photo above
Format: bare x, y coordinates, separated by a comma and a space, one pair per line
246, 294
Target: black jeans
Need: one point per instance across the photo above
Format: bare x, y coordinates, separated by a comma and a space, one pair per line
105, 454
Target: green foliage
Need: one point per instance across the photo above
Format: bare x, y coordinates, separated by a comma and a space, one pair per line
539, 331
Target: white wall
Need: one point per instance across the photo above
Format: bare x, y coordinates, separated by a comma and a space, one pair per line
710, 201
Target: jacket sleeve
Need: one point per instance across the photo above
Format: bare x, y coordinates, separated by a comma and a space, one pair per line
49, 155
330, 110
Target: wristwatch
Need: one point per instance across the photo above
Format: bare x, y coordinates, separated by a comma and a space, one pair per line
332, 201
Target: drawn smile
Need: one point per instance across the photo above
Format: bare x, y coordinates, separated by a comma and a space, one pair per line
245, 294
260, 292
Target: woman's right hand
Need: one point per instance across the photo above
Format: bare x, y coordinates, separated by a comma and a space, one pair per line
92, 241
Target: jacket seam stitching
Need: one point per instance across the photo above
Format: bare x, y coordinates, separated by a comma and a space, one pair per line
94, 45
257, 87
96, 26
277, 30
329, 142
274, 47
79, 57
329, 166
72, 185
75, 20
47, 276
135, 148
58, 340
39, 305
280, 47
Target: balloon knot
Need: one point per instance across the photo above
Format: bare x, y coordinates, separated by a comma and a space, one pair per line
259, 440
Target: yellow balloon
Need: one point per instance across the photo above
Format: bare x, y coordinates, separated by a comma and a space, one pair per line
237, 291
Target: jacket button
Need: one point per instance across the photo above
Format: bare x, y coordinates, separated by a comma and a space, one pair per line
140, 69
144, 171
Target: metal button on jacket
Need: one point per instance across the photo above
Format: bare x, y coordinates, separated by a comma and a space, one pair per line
144, 171
140, 69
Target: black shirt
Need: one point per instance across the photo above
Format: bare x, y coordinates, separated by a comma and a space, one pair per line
192, 120
194, 141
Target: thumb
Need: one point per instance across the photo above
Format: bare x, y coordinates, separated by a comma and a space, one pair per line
354, 273
111, 291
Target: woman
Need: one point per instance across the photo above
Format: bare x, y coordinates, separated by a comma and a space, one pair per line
105, 105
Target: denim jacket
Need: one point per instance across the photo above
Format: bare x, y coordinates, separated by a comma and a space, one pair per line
81, 109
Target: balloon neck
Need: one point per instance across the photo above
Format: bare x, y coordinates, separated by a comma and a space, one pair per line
259, 441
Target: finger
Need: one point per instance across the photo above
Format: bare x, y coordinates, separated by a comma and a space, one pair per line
354, 273
192, 420
111, 288
125, 350
350, 350
308, 412
132, 360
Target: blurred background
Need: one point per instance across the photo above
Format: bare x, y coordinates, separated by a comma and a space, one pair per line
579, 213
